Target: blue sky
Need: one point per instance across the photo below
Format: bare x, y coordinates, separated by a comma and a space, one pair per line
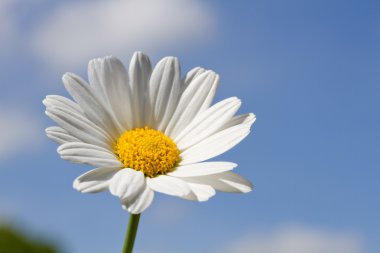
309, 70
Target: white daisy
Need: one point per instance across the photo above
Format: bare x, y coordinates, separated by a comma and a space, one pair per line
148, 130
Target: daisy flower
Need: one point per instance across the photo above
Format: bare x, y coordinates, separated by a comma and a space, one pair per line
148, 130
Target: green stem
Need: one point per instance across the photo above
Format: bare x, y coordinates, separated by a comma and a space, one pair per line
131, 233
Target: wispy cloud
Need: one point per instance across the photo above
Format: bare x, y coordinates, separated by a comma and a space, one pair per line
168, 212
19, 131
6, 23
297, 239
79, 30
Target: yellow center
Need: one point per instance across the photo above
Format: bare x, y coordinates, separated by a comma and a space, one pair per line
147, 150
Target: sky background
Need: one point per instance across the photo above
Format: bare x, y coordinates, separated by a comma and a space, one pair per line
309, 70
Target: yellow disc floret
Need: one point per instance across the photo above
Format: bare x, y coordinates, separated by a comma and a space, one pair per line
147, 150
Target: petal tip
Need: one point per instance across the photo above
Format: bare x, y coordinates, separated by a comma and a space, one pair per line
66, 76
76, 185
247, 188
139, 55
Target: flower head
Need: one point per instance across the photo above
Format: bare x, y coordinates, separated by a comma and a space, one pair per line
148, 130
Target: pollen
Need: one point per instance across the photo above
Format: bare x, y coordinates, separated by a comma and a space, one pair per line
147, 150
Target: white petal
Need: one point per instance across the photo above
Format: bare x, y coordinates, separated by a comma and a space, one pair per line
60, 135
207, 123
201, 169
196, 95
61, 102
215, 144
139, 73
95, 180
248, 118
92, 107
169, 185
226, 182
71, 117
127, 184
200, 192
192, 74
78, 126
164, 90
142, 201
84, 153
109, 79
210, 96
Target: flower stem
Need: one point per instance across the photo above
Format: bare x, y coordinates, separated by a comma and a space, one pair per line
131, 233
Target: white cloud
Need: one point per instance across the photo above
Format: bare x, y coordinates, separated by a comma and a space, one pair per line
6, 23
297, 239
77, 31
13, 34
168, 211
19, 132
